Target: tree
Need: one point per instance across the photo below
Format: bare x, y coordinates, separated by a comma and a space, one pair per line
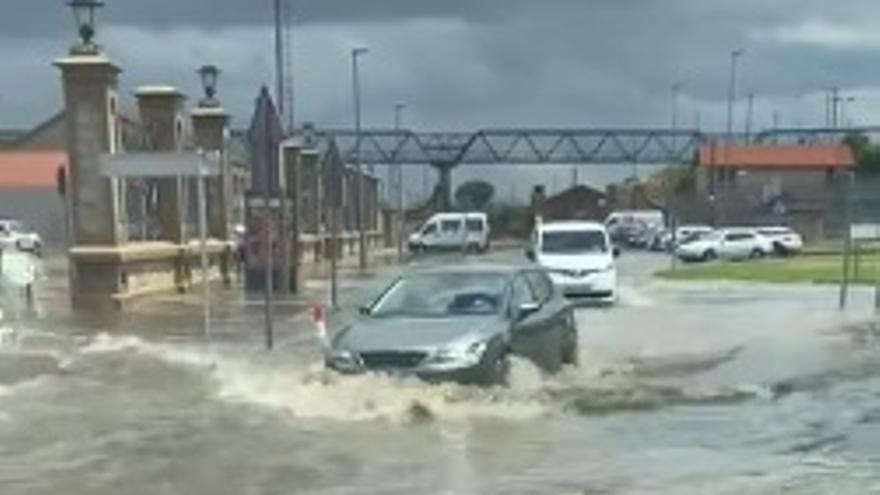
475, 194
866, 154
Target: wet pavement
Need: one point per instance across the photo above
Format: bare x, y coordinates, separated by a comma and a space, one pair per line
709, 388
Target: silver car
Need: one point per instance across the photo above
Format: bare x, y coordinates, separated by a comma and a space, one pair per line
460, 324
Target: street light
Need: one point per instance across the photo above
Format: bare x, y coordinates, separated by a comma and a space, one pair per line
676, 93
731, 95
361, 203
398, 172
84, 13
209, 75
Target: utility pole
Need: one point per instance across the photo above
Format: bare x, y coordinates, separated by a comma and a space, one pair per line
361, 203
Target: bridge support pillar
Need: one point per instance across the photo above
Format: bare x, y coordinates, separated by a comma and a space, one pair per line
443, 190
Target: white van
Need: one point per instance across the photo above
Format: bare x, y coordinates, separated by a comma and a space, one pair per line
579, 258
452, 231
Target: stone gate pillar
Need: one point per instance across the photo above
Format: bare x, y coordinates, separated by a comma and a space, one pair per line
161, 111
89, 86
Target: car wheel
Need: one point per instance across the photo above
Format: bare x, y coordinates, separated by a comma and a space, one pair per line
496, 370
570, 348
756, 253
710, 255
779, 249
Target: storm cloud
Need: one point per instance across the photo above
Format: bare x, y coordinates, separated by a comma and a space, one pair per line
465, 64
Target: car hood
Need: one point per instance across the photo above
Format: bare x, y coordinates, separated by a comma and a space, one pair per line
575, 261
392, 333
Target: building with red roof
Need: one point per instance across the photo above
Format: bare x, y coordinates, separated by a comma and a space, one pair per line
798, 185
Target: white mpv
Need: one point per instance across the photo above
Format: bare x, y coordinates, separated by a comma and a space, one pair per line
579, 257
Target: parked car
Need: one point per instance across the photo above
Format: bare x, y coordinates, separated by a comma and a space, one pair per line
633, 227
785, 241
460, 324
16, 235
579, 257
726, 244
452, 231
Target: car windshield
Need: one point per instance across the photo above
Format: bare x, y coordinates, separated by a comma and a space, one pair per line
443, 295
573, 242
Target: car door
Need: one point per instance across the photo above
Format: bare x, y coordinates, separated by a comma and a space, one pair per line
736, 245
532, 333
558, 313
449, 232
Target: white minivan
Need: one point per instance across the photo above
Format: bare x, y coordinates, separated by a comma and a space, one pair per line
579, 258
452, 231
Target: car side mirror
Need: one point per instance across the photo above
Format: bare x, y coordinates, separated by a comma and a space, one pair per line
530, 254
615, 251
365, 310
527, 309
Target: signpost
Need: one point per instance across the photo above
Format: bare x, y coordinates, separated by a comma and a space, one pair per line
199, 165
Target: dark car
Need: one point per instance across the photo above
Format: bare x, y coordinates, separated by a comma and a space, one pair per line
460, 324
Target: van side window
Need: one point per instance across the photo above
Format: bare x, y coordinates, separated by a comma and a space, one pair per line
450, 226
474, 225
431, 228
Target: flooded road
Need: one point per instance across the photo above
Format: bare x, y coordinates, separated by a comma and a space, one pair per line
683, 388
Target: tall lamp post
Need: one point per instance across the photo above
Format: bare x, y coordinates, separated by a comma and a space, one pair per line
676, 95
398, 172
731, 94
361, 203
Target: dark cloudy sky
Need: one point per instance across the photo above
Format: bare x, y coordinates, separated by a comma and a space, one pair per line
465, 64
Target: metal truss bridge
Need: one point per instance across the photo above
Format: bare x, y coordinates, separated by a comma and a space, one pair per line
520, 146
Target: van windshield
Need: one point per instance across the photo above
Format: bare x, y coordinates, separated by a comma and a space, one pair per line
571, 242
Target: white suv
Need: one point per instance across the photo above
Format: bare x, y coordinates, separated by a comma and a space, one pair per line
14, 234
727, 244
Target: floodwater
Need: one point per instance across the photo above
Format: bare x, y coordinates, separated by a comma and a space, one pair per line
684, 388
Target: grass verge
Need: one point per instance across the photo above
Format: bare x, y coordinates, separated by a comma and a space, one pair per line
800, 269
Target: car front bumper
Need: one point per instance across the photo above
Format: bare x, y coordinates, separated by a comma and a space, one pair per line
596, 285
467, 374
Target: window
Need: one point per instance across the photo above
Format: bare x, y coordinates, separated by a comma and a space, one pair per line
542, 286
443, 294
474, 225
738, 237
522, 293
430, 229
575, 241
450, 226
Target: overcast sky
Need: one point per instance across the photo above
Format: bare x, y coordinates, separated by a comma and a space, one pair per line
466, 64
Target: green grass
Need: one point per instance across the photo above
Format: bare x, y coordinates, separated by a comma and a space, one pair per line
801, 269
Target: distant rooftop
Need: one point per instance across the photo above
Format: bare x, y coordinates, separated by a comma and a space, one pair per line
776, 156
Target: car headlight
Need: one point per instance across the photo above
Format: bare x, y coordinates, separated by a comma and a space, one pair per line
466, 355
343, 359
